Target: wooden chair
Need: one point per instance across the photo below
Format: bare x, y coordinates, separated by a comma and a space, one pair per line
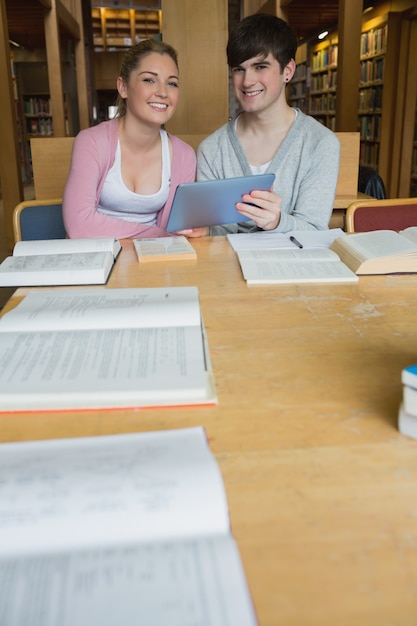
393, 214
38, 219
51, 159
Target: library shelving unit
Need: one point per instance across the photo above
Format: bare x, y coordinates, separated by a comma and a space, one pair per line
298, 86
323, 81
119, 28
115, 30
413, 183
371, 81
38, 116
20, 127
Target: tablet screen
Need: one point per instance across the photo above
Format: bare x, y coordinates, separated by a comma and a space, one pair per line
213, 202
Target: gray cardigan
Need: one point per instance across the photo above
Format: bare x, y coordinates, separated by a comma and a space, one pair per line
306, 167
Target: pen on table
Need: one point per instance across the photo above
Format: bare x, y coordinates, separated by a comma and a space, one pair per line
295, 242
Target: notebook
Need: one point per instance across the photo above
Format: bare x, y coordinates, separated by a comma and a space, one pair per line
212, 202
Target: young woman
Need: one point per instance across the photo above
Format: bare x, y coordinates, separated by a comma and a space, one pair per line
124, 172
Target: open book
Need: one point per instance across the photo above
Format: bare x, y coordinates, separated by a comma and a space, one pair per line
59, 262
280, 266
103, 348
124, 529
379, 251
270, 239
296, 257
164, 249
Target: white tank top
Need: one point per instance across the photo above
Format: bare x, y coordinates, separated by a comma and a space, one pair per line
119, 201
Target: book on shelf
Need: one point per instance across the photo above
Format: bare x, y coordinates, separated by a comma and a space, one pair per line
379, 251
59, 262
104, 348
288, 258
176, 248
133, 525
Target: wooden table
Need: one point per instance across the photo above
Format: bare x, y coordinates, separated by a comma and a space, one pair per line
321, 486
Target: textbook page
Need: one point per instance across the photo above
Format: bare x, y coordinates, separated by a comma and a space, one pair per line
410, 233
104, 308
85, 268
59, 262
109, 490
293, 266
263, 240
104, 349
176, 248
66, 246
178, 583
129, 525
377, 252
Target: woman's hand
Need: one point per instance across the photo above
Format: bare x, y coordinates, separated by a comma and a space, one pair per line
195, 232
267, 210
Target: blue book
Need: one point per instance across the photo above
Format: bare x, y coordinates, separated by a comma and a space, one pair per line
409, 376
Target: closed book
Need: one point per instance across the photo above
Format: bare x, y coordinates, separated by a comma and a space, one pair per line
410, 400
409, 376
407, 424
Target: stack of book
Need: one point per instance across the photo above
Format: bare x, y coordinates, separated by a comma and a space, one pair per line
407, 416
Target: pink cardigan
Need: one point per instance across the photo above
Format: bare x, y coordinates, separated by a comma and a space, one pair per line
92, 156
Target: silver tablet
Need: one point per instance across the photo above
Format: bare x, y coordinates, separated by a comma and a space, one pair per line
213, 202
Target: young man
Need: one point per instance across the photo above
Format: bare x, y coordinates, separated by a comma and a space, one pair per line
270, 136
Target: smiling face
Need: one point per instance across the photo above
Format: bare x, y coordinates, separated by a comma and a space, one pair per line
259, 83
152, 90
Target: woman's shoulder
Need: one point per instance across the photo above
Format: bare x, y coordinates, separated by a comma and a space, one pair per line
105, 131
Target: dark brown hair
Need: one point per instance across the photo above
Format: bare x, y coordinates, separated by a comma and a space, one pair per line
261, 34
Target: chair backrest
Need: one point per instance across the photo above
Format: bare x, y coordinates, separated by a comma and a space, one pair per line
347, 182
38, 219
51, 159
393, 214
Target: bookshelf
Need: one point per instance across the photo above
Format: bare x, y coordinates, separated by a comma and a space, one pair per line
20, 127
413, 181
297, 89
371, 81
38, 116
323, 81
119, 28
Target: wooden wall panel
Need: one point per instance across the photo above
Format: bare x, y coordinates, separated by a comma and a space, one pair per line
198, 31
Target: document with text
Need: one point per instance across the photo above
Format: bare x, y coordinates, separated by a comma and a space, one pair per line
59, 262
105, 348
131, 529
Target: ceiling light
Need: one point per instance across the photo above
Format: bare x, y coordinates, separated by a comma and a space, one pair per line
323, 34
